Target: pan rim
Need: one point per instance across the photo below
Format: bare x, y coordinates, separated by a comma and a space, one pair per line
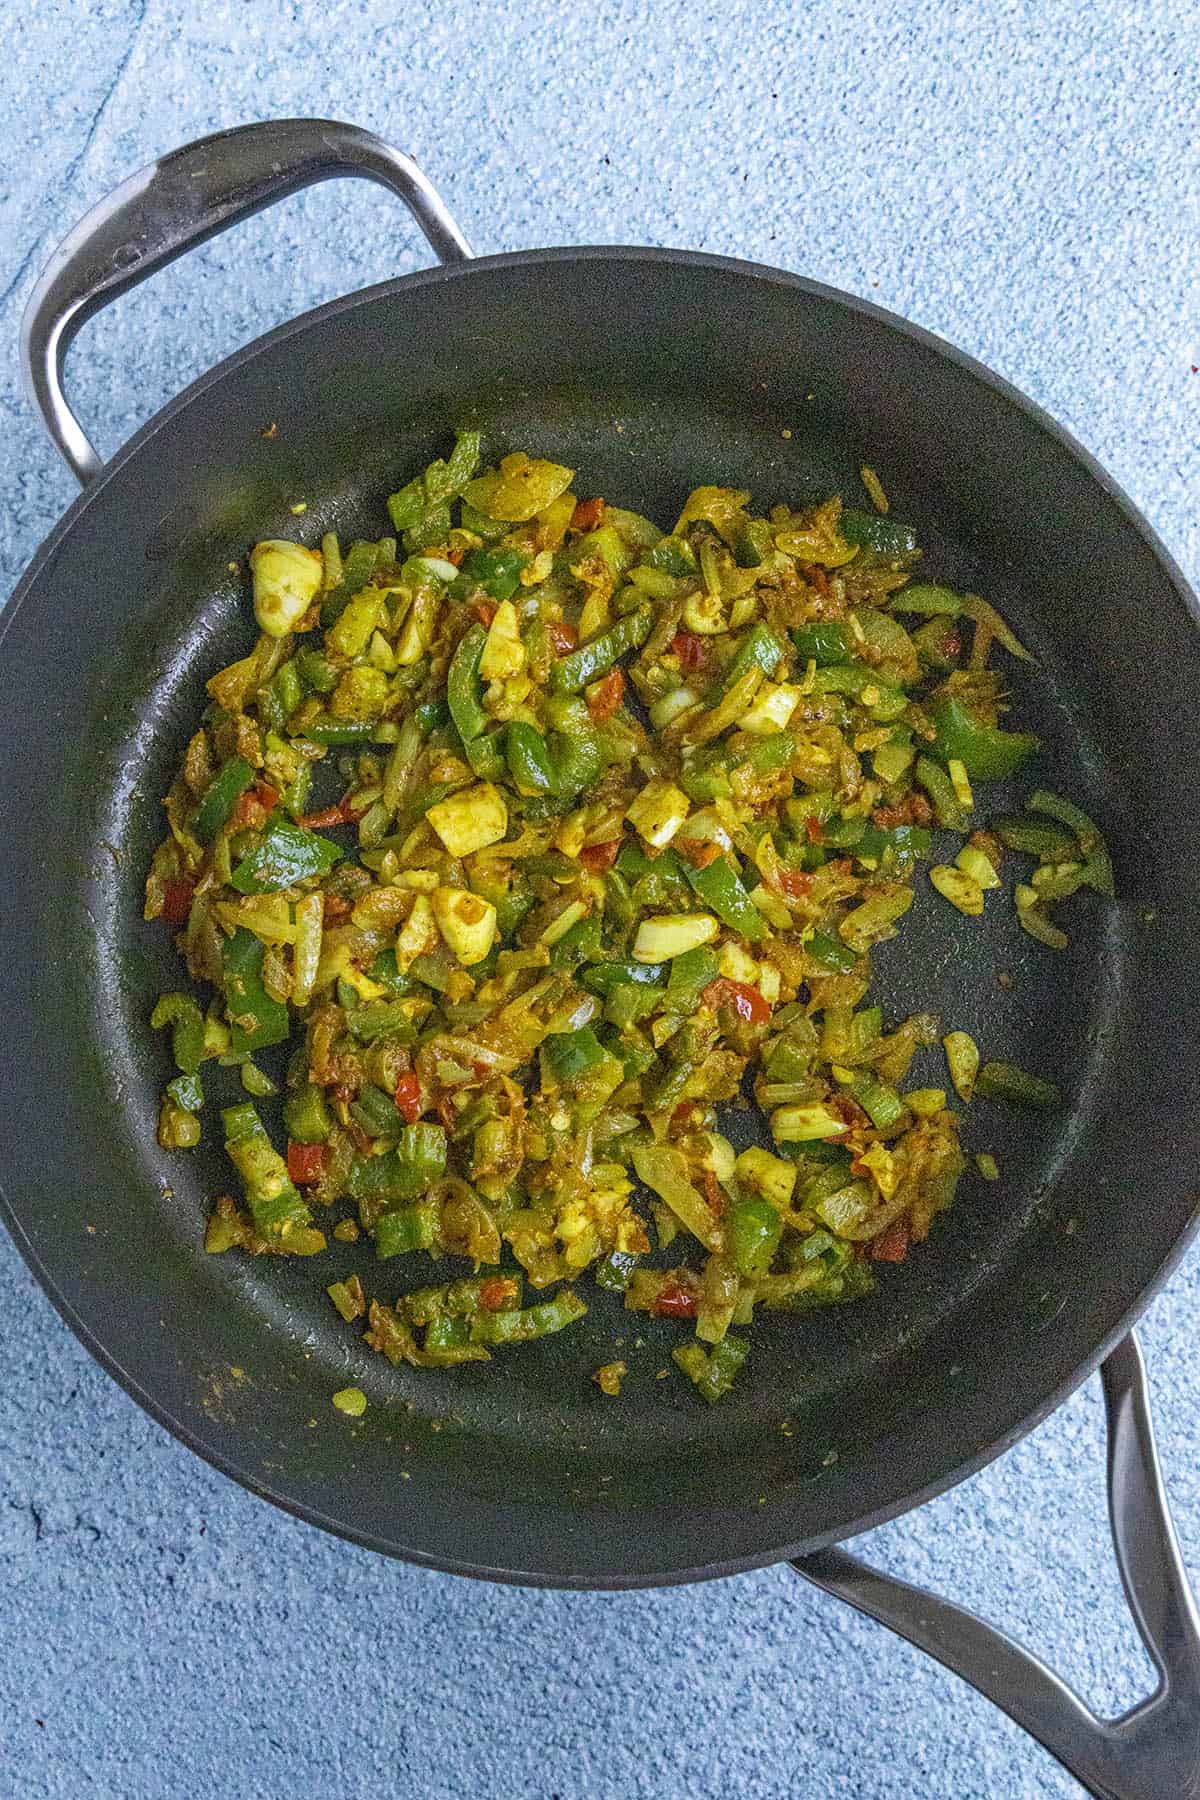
1016, 1428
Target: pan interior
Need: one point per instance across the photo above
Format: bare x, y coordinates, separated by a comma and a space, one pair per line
522, 1465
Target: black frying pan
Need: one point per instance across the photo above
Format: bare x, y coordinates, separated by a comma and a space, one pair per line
649, 371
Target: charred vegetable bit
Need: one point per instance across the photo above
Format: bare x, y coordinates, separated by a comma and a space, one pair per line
496, 953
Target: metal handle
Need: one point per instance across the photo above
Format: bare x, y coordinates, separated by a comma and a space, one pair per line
1148, 1753
179, 201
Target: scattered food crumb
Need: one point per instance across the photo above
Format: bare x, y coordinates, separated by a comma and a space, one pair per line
1004, 980
987, 1165
91, 1230
874, 487
786, 434
608, 1377
270, 431
829, 1458
662, 1374
352, 1401
301, 506
346, 1232
234, 568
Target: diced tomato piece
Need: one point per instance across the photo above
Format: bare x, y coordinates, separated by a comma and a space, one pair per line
700, 852
598, 857
564, 637
795, 883
306, 1162
485, 611
587, 515
408, 1098
891, 1245
691, 650
812, 829
745, 1000
177, 901
334, 908
496, 1291
606, 695
676, 1302
456, 554
681, 1118
249, 813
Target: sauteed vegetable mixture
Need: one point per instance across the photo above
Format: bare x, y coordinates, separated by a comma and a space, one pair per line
535, 842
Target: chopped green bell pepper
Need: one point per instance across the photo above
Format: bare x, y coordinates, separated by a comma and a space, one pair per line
464, 687
287, 854
220, 798
418, 1160
872, 531
575, 671
181, 1013
720, 888
986, 752
528, 759
256, 1019
752, 1233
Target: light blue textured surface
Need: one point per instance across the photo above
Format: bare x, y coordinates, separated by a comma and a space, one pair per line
1024, 180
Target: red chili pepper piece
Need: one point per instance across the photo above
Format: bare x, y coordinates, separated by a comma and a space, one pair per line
306, 1162
408, 1098
598, 857
177, 901
607, 695
485, 611
341, 814
812, 829
745, 1000
564, 637
681, 1118
691, 650
675, 1302
587, 515
891, 1245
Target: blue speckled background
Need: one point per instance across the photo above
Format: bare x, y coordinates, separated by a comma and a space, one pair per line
1024, 179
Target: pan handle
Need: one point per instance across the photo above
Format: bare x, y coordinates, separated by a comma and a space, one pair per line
1148, 1753
179, 201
